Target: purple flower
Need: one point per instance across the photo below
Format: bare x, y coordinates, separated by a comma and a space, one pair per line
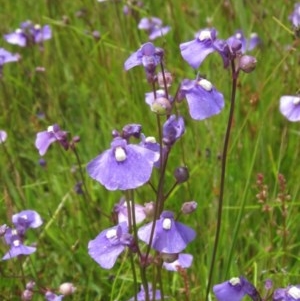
235, 289
183, 261
294, 17
26, 219
53, 134
194, 52
151, 144
173, 129
147, 55
290, 107
53, 297
154, 27
169, 236
150, 98
7, 57
123, 166
291, 293
246, 44
121, 210
14, 240
28, 34
3, 136
203, 99
141, 296
109, 244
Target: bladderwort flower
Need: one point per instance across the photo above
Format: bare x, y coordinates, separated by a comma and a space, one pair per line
294, 17
205, 43
141, 295
170, 236
173, 129
148, 56
53, 297
121, 209
183, 261
7, 57
124, 166
3, 136
290, 107
247, 44
15, 241
109, 244
26, 219
291, 293
29, 34
235, 289
46, 138
204, 100
154, 27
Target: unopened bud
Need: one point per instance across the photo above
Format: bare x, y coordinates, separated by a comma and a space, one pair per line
247, 63
67, 288
189, 207
169, 257
161, 106
168, 79
149, 209
181, 174
27, 295
30, 285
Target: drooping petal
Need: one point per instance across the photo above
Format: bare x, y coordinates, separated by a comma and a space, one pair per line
159, 32
16, 38
43, 141
3, 136
18, 250
290, 107
183, 261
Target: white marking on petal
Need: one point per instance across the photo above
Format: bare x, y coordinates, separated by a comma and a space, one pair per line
167, 223
19, 30
150, 139
253, 35
16, 243
204, 35
111, 233
24, 216
294, 292
296, 100
205, 84
37, 26
50, 129
235, 281
238, 35
120, 154
14, 232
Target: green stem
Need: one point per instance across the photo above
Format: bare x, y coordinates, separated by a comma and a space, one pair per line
222, 182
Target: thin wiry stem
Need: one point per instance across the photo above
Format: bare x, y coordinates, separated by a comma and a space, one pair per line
222, 182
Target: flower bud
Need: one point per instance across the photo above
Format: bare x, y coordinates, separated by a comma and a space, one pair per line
247, 63
149, 209
30, 285
189, 207
161, 106
168, 78
27, 295
181, 174
169, 257
67, 288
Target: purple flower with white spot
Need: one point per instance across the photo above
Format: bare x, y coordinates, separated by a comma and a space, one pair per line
147, 55
14, 240
3, 136
154, 27
235, 289
203, 99
294, 17
169, 236
246, 44
7, 57
121, 210
26, 219
291, 293
29, 34
205, 43
151, 144
53, 297
173, 129
290, 107
183, 261
124, 166
141, 295
109, 244
46, 138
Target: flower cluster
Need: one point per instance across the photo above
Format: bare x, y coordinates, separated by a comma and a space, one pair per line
14, 237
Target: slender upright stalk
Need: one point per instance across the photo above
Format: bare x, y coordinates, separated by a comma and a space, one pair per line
222, 181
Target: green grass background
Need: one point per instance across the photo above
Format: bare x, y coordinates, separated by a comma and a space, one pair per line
87, 92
